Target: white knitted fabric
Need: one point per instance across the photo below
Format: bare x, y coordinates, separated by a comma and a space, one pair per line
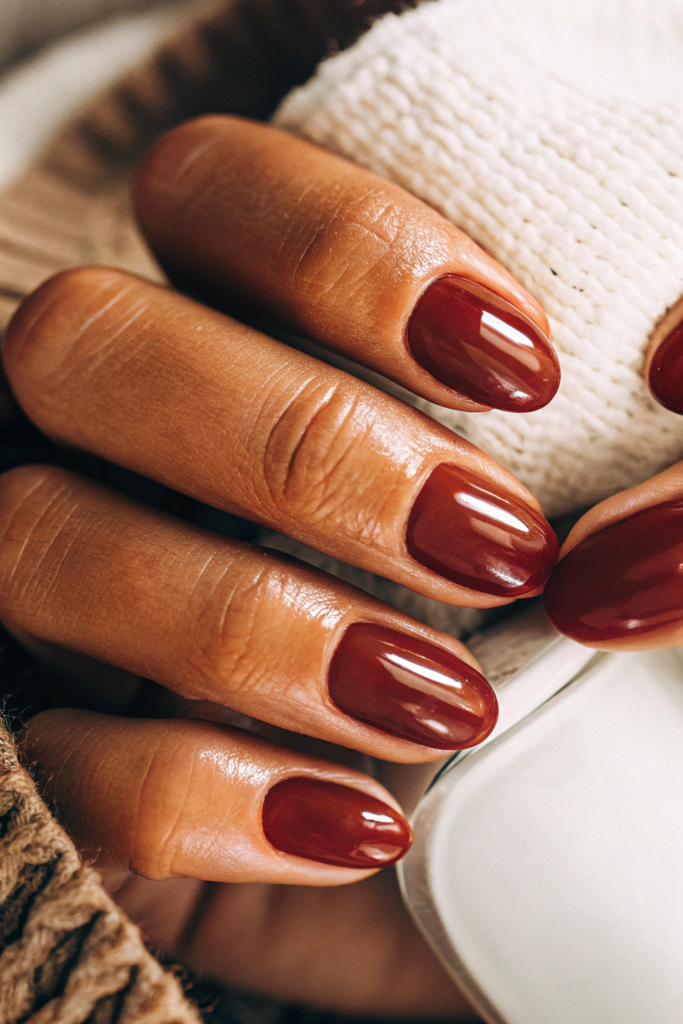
552, 133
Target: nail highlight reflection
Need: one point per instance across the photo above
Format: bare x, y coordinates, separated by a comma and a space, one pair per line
477, 343
411, 689
333, 824
472, 532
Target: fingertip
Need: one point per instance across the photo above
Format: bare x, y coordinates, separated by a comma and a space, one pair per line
34, 344
184, 798
411, 689
471, 532
664, 362
334, 824
473, 340
619, 587
665, 372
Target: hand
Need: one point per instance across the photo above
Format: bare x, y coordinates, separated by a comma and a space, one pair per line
153, 381
619, 585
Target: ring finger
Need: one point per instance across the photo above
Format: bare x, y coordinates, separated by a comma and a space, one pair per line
217, 620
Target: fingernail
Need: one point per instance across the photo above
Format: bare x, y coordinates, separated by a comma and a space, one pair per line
666, 371
623, 581
477, 343
475, 534
410, 689
334, 824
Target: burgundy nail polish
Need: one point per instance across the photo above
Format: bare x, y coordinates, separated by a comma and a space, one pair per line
334, 824
472, 532
476, 342
666, 371
623, 581
410, 689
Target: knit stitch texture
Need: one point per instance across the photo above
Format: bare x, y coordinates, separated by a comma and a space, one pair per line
67, 954
572, 179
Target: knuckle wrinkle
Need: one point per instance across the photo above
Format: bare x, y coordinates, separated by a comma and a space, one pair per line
308, 452
46, 330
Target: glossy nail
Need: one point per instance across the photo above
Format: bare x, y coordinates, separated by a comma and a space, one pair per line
410, 688
666, 371
472, 532
334, 824
477, 343
623, 581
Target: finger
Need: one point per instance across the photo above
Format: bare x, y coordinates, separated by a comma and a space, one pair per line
174, 798
664, 363
222, 621
157, 383
619, 584
352, 260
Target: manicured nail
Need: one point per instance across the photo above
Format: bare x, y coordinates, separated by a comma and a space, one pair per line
622, 581
334, 824
666, 371
465, 528
477, 343
410, 689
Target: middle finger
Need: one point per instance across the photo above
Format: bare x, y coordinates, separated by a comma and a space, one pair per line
243, 423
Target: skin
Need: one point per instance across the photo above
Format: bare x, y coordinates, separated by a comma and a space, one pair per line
156, 781
313, 453
665, 486
364, 243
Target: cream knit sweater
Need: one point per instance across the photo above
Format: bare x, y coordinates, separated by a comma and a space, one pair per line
552, 133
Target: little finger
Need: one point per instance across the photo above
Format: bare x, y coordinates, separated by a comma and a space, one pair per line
176, 798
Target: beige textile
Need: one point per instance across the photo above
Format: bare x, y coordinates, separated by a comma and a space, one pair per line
67, 953
25, 24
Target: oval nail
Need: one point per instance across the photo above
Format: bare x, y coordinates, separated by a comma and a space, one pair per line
477, 343
472, 532
623, 581
411, 689
333, 824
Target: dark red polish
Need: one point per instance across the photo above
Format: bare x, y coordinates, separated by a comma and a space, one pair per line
623, 581
465, 528
334, 824
477, 343
666, 371
410, 688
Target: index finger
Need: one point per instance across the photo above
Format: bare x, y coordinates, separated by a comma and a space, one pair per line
351, 260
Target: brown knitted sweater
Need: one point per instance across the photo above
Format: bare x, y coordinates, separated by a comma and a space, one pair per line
68, 954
